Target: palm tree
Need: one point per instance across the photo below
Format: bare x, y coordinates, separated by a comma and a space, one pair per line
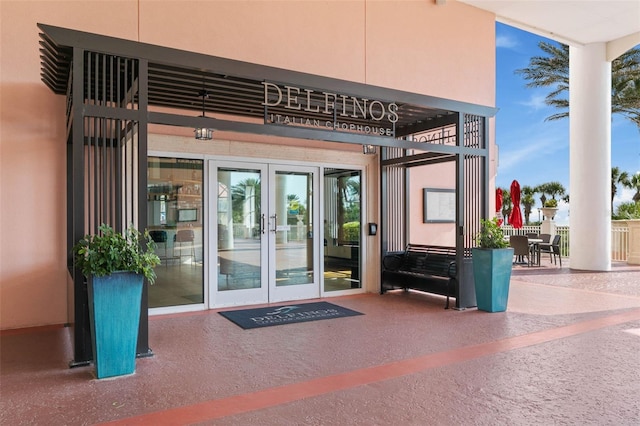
240, 192
542, 189
618, 177
625, 82
634, 183
626, 211
527, 201
352, 199
552, 71
555, 188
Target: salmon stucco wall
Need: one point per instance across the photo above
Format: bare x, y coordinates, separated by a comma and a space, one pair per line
416, 46
435, 176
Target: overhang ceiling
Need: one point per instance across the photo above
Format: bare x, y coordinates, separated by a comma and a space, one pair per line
574, 22
177, 79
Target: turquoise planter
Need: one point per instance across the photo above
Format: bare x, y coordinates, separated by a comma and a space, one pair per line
492, 274
114, 313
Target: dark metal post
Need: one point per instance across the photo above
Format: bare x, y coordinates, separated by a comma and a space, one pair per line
76, 171
143, 330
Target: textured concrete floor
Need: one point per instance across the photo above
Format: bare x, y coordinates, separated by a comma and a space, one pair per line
567, 351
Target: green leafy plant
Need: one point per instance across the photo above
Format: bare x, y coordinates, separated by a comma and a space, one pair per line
551, 203
627, 211
110, 251
351, 231
491, 235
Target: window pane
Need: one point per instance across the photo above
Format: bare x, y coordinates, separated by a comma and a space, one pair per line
341, 229
175, 221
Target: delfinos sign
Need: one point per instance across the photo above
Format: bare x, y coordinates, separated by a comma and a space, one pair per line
295, 106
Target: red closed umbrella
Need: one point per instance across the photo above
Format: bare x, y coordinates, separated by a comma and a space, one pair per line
515, 219
499, 205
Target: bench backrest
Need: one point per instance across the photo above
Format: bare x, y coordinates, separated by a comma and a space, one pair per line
434, 260
441, 265
414, 261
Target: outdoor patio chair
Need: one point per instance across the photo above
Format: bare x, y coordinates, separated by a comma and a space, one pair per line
553, 248
520, 244
546, 238
532, 235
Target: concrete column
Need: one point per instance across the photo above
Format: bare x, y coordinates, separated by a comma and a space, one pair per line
590, 158
548, 226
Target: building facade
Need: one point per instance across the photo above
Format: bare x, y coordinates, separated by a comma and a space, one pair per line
277, 205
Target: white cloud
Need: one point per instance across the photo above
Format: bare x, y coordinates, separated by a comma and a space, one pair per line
537, 146
623, 195
535, 102
506, 42
562, 216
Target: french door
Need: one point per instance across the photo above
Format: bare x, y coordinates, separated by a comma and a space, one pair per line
264, 231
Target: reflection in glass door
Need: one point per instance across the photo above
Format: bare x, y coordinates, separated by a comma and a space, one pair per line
264, 233
342, 217
175, 223
292, 213
240, 231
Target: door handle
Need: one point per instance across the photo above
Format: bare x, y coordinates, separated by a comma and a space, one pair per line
262, 223
275, 222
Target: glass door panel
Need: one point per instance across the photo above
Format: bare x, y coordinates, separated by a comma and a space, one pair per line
292, 218
263, 232
240, 233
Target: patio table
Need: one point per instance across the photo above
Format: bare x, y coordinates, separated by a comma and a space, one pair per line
535, 244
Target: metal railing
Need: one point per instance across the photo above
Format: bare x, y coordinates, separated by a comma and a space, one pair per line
619, 238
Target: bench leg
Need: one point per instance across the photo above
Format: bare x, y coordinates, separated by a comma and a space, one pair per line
446, 306
451, 281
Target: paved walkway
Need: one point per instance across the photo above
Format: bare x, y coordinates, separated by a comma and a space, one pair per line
567, 351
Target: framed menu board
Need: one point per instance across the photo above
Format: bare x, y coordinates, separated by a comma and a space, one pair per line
439, 205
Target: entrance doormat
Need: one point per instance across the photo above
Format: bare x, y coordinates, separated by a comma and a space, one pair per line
287, 314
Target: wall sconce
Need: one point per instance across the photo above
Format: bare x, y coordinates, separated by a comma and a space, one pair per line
369, 149
203, 133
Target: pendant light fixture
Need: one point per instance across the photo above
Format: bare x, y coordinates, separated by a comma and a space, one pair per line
369, 149
203, 133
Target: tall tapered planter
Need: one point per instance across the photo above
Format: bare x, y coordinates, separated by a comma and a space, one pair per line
492, 274
114, 314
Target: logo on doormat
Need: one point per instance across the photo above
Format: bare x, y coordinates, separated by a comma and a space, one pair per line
303, 312
282, 310
293, 313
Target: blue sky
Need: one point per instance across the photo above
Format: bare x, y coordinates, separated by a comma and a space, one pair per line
535, 151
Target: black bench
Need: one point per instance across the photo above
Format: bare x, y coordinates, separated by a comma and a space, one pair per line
431, 269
